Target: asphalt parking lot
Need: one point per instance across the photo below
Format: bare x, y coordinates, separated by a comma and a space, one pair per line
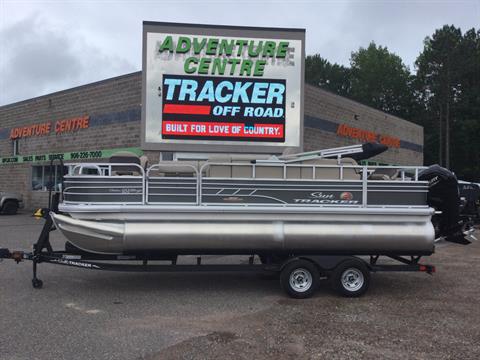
85, 314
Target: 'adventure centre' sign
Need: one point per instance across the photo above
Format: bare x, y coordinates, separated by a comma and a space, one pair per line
221, 88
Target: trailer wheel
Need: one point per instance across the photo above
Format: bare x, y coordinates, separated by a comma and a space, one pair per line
10, 207
37, 283
351, 278
299, 279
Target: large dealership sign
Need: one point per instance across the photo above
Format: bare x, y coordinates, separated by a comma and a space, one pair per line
221, 88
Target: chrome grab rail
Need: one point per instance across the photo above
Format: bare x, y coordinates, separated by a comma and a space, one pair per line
99, 166
80, 168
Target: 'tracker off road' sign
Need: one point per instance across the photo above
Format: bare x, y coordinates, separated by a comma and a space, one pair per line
222, 88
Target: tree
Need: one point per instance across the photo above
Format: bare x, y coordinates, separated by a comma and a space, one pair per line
438, 71
333, 77
448, 74
443, 96
380, 79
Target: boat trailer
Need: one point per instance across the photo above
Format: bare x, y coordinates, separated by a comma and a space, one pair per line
349, 275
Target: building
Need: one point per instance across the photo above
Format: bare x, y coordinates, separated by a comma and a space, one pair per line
93, 121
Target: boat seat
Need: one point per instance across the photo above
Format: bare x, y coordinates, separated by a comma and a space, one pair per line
215, 170
144, 162
125, 157
384, 174
270, 171
331, 169
174, 168
237, 170
241, 167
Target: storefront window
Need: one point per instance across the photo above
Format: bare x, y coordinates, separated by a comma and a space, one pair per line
37, 177
44, 176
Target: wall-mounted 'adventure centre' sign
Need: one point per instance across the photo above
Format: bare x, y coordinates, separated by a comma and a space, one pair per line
367, 136
46, 128
222, 88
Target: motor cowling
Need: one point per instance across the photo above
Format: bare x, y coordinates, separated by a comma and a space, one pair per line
443, 196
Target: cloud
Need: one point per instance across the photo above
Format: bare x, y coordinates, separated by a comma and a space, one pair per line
47, 46
401, 25
38, 58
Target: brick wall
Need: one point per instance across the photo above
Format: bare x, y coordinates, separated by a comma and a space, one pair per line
325, 111
114, 110
113, 106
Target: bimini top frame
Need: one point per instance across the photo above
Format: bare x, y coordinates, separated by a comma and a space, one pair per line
337, 152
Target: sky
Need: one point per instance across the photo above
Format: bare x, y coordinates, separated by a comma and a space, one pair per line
47, 46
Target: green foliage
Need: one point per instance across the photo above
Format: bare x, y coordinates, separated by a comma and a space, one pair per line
380, 79
320, 72
448, 78
443, 95
376, 78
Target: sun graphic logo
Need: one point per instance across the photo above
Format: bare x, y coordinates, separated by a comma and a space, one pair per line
346, 195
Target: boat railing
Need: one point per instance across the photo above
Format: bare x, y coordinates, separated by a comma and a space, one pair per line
404, 173
165, 184
132, 178
104, 169
183, 183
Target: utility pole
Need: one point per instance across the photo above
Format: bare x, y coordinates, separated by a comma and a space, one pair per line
440, 137
447, 135
447, 121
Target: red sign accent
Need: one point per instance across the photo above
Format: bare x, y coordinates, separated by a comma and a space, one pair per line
346, 195
191, 128
365, 135
187, 109
30, 130
61, 126
74, 124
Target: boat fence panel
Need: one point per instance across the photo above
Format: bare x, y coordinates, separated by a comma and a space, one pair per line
93, 183
273, 183
172, 184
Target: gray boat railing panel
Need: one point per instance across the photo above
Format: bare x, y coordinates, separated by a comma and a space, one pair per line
245, 184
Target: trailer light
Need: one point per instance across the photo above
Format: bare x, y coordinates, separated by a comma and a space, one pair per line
427, 268
17, 256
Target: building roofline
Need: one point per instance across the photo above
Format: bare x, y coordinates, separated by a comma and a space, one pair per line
216, 26
71, 89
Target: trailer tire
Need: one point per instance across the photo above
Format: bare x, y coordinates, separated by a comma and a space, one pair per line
299, 278
351, 278
10, 207
37, 283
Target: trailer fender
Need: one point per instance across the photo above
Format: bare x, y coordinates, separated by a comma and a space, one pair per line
327, 263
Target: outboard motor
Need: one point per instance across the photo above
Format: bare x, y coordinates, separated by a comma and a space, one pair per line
369, 150
443, 196
470, 194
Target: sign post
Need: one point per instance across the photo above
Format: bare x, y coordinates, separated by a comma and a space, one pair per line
222, 88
